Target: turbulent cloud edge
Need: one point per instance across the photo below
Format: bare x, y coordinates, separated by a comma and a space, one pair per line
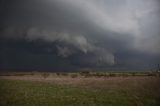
67, 44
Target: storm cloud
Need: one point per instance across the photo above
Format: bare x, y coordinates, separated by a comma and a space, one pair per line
103, 33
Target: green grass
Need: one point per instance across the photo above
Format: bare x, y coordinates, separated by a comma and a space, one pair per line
29, 93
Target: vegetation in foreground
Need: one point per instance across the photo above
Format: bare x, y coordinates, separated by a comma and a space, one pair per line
115, 91
83, 74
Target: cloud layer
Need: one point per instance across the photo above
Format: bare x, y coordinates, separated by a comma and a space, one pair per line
94, 32
66, 43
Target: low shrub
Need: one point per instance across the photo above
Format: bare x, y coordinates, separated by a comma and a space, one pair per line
64, 74
84, 73
112, 74
74, 75
45, 75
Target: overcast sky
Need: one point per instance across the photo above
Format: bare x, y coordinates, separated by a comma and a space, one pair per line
79, 34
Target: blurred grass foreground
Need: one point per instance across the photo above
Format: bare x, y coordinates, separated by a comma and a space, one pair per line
79, 89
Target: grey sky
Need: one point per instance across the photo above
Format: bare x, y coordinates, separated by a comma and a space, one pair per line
87, 32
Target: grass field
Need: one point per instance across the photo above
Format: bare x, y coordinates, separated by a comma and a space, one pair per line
63, 90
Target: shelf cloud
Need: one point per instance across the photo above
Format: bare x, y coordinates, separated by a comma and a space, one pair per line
103, 33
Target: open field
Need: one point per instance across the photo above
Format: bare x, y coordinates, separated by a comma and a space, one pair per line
79, 89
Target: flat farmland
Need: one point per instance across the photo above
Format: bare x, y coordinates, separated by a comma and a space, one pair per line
79, 89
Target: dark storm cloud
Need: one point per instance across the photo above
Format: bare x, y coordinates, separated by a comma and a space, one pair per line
86, 32
67, 43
